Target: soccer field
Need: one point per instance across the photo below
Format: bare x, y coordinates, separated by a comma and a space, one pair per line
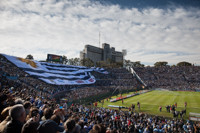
151, 101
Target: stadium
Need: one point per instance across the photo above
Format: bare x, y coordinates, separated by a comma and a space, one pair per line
99, 66
110, 97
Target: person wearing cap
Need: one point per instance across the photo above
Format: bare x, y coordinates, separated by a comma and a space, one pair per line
49, 126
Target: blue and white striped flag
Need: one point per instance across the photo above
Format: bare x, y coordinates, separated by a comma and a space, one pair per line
57, 74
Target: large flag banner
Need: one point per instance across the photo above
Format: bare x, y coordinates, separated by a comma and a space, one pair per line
57, 74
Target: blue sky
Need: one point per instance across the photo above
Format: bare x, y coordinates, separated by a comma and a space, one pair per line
150, 30
152, 3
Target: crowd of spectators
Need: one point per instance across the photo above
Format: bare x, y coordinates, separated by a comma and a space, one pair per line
119, 77
104, 82
85, 92
34, 116
27, 106
171, 77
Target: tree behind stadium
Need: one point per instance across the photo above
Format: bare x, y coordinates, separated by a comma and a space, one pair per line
87, 62
30, 57
184, 63
160, 63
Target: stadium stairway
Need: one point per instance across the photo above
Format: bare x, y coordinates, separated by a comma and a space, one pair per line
137, 77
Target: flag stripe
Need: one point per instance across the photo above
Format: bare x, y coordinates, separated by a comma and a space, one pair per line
54, 76
64, 73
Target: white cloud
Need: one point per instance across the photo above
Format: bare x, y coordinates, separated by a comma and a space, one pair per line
64, 27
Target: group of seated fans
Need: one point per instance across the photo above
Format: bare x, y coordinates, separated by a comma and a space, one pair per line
42, 116
27, 106
184, 78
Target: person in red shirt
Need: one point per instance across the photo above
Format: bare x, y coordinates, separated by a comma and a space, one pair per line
160, 108
95, 104
170, 108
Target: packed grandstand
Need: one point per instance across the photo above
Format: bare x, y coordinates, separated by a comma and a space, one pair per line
34, 101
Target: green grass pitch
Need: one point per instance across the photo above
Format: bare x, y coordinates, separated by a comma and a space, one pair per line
151, 101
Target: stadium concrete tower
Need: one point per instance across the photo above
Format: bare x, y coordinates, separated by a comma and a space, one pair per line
105, 53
